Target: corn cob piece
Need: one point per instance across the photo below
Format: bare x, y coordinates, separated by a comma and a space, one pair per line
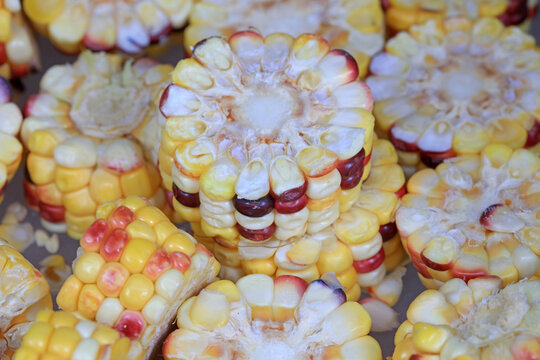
474, 320
441, 92
103, 25
356, 26
265, 318
92, 135
23, 293
474, 215
134, 270
10, 147
18, 51
62, 335
401, 15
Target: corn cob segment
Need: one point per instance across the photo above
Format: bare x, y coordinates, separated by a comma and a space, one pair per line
265, 318
134, 270
451, 90
474, 215
18, 51
64, 336
403, 14
474, 320
10, 147
92, 135
23, 293
356, 26
103, 25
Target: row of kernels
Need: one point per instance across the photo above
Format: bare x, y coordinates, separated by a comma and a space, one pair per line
61, 335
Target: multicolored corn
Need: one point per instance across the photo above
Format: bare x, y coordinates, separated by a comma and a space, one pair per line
402, 14
18, 50
23, 293
103, 25
10, 147
356, 26
92, 135
473, 321
265, 318
450, 90
474, 215
134, 270
60, 335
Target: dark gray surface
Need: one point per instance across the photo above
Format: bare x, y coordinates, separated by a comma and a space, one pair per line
51, 56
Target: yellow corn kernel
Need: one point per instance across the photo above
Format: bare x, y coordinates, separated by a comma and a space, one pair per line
151, 215
136, 254
259, 266
137, 182
67, 298
105, 336
88, 266
63, 342
140, 229
335, 258
429, 338
180, 242
105, 186
137, 291
68, 180
89, 302
41, 169
80, 202
37, 337
60, 318
163, 230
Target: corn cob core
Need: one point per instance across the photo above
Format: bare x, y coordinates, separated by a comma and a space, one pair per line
18, 51
453, 89
102, 25
356, 26
91, 134
134, 270
402, 14
10, 147
474, 215
474, 320
23, 293
265, 318
62, 335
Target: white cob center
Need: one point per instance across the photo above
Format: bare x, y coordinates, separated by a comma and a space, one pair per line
463, 84
495, 317
109, 111
269, 16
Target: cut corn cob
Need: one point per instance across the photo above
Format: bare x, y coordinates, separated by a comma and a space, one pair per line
474, 215
61, 335
102, 25
442, 91
403, 14
92, 135
18, 50
472, 321
10, 147
264, 318
134, 270
356, 26
23, 293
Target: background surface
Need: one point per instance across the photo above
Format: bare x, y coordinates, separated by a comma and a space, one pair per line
171, 54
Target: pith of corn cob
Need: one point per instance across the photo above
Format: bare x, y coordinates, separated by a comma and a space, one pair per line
265, 318
23, 293
356, 26
403, 14
10, 147
474, 320
91, 133
62, 335
18, 51
134, 270
474, 215
103, 25
450, 90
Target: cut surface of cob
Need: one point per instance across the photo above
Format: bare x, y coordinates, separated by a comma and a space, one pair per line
474, 320
356, 26
264, 318
61, 335
10, 147
134, 270
402, 14
474, 215
18, 50
92, 135
442, 91
103, 25
23, 293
